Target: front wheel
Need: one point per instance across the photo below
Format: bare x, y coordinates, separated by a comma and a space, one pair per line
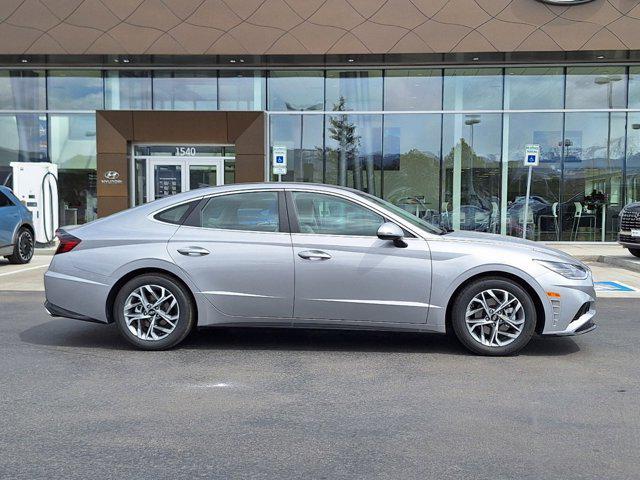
154, 312
23, 249
494, 316
635, 252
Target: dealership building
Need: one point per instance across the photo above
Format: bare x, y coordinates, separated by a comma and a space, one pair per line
429, 104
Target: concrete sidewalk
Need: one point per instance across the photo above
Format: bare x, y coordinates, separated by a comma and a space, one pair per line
608, 253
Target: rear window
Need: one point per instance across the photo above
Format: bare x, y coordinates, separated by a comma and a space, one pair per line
175, 215
253, 211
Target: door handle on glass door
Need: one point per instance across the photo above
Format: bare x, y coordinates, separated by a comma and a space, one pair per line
314, 255
193, 251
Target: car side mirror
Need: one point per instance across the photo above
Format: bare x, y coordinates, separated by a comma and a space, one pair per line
391, 231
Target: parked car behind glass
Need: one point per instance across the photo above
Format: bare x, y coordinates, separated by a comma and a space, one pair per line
629, 235
16, 228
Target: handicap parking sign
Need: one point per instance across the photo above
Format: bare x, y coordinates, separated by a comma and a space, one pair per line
279, 159
531, 155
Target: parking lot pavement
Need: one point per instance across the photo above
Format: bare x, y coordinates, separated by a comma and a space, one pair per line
78, 402
27, 277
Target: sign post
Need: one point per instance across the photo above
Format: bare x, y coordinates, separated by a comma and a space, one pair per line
279, 161
531, 159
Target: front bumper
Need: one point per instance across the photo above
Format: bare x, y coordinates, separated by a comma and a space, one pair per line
582, 322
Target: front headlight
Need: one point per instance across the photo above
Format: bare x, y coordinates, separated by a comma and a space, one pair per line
567, 270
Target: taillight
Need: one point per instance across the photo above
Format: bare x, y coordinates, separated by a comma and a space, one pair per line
67, 241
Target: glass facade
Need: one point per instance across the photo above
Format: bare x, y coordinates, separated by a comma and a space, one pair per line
445, 144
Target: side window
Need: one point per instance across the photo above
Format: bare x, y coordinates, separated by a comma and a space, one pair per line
4, 201
254, 211
329, 215
174, 214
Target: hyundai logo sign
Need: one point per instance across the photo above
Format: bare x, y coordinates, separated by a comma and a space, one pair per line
111, 177
565, 2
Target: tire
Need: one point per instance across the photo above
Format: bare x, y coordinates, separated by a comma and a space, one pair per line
24, 247
524, 317
635, 252
138, 332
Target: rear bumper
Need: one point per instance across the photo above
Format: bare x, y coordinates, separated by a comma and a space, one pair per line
56, 311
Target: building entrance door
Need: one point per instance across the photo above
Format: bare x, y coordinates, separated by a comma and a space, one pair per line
170, 175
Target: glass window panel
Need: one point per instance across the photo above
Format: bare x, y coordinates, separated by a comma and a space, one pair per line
634, 87
329, 215
127, 90
633, 158
242, 90
72, 146
185, 90
78, 202
303, 137
593, 163
354, 90
255, 211
229, 172
413, 89
472, 149
473, 89
22, 90
411, 177
140, 185
23, 138
291, 90
534, 88
596, 87
75, 90
73, 141
544, 129
354, 151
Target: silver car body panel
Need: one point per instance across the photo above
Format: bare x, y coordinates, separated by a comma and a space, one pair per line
258, 278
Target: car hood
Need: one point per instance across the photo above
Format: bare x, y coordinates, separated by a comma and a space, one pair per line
535, 249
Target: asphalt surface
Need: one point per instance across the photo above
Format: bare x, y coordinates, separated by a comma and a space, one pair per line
77, 402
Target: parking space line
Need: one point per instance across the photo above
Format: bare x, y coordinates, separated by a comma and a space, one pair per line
23, 270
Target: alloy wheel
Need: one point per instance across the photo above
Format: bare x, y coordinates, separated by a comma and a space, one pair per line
495, 317
151, 312
25, 246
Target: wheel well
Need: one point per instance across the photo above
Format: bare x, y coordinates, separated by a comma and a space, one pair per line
142, 271
540, 317
28, 227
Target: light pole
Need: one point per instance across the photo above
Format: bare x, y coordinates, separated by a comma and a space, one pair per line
471, 120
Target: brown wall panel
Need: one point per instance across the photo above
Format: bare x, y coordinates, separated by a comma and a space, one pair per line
113, 175
116, 130
109, 139
249, 168
252, 140
178, 127
109, 205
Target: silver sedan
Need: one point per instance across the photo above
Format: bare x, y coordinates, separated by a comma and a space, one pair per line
310, 256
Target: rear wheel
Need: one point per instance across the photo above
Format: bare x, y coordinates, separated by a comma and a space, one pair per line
154, 312
23, 249
635, 252
494, 316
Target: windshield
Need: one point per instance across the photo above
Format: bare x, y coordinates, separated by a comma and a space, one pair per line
412, 219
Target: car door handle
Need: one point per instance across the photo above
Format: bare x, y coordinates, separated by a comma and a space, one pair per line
193, 251
314, 255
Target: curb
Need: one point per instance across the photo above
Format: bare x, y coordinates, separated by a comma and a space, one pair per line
616, 261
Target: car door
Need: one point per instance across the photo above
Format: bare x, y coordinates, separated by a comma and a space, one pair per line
9, 218
237, 249
343, 271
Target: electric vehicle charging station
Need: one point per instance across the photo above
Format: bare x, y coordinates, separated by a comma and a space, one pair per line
36, 186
